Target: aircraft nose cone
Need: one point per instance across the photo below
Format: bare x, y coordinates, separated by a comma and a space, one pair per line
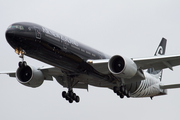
9, 34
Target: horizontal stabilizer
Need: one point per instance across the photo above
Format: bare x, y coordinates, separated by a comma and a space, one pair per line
10, 73
172, 86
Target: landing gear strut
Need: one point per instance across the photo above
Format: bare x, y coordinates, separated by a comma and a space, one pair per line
121, 91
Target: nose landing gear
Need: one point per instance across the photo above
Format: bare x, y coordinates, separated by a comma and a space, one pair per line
21, 54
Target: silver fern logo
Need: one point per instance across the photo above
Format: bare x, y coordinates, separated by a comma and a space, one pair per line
159, 50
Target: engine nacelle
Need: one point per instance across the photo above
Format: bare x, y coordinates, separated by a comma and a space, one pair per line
29, 76
122, 67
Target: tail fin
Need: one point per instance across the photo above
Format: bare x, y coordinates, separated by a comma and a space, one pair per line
160, 51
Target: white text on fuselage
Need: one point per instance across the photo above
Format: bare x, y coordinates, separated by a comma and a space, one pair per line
60, 37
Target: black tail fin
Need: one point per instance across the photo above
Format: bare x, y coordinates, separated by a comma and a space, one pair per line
161, 48
160, 51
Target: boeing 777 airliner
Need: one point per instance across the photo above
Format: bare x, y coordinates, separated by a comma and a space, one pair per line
75, 65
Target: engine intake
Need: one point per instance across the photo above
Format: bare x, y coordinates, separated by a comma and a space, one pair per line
30, 76
122, 67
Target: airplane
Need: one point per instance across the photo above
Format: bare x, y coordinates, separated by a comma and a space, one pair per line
75, 65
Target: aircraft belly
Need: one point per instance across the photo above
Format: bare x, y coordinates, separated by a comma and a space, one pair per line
148, 87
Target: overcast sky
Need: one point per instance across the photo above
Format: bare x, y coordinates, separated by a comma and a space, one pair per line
132, 28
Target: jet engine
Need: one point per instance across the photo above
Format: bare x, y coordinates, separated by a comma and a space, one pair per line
122, 67
29, 76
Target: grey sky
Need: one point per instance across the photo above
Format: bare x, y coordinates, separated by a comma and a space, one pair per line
132, 28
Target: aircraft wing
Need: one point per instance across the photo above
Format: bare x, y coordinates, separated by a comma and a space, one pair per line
49, 72
158, 62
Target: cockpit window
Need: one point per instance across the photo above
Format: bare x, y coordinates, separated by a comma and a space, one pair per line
17, 26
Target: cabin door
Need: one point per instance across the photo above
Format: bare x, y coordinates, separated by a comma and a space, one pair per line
37, 33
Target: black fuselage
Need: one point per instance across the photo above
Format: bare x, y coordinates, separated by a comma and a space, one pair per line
51, 47
62, 52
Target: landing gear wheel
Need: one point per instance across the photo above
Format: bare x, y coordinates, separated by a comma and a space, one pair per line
115, 89
74, 96
67, 97
24, 63
20, 64
122, 89
70, 100
125, 92
118, 93
121, 96
64, 94
128, 94
77, 99
70, 94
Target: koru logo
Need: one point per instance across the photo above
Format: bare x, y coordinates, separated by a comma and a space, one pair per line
159, 50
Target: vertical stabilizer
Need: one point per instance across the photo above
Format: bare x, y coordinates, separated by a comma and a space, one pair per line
161, 48
160, 51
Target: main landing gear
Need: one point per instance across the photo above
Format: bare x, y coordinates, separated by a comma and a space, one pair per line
70, 95
121, 91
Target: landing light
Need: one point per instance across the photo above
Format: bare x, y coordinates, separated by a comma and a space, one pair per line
17, 51
20, 51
